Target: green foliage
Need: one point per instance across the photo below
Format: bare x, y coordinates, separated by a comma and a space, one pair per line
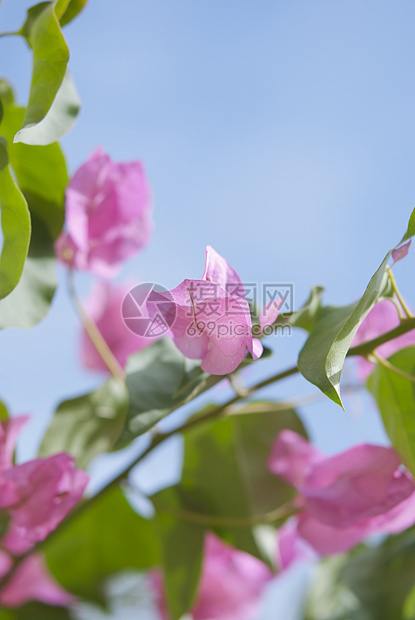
395, 397
306, 315
15, 224
53, 101
322, 357
35, 611
159, 379
88, 425
40, 172
181, 550
225, 478
30, 301
71, 10
107, 538
382, 577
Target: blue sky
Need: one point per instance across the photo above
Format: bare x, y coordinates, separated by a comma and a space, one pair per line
282, 133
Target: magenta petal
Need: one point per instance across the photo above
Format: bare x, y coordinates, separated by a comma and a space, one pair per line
32, 582
49, 488
327, 539
381, 319
257, 348
269, 313
209, 326
108, 215
291, 546
401, 252
219, 271
231, 583
292, 457
9, 431
359, 483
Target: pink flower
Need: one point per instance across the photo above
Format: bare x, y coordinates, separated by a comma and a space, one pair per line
31, 582
212, 318
381, 319
344, 498
37, 495
230, 586
108, 215
291, 547
104, 308
401, 252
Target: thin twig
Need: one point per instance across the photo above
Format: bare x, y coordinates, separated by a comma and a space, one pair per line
398, 293
94, 334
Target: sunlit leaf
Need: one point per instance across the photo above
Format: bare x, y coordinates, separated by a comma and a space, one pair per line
395, 397
15, 224
106, 538
88, 425
322, 357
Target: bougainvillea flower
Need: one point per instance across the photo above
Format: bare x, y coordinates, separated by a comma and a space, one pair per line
104, 308
381, 319
230, 586
269, 314
212, 318
31, 582
291, 547
401, 252
344, 498
108, 215
36, 495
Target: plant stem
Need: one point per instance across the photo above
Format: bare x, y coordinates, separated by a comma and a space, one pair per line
398, 293
282, 512
94, 334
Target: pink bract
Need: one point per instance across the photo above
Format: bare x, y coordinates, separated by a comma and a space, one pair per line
344, 498
31, 582
108, 215
36, 496
381, 319
213, 320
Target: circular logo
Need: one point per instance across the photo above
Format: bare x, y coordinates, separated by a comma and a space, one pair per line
148, 310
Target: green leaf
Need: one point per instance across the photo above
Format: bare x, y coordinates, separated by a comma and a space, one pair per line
159, 379
395, 397
306, 315
4, 413
88, 425
329, 598
58, 121
382, 577
15, 224
40, 172
106, 538
225, 467
255, 428
225, 475
74, 7
322, 357
6, 93
36, 611
30, 301
409, 606
181, 550
50, 59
